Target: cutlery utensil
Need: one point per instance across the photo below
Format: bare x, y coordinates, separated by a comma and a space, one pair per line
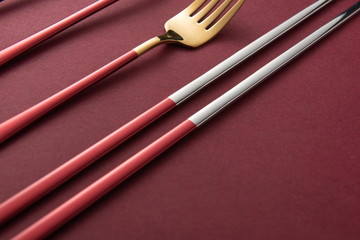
89, 195
184, 28
53, 179
16, 49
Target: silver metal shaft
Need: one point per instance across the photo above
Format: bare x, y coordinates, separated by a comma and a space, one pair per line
230, 96
205, 79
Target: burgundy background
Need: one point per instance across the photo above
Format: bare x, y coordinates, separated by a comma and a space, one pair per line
281, 163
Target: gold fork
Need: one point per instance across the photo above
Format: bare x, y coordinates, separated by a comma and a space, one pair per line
186, 28
193, 30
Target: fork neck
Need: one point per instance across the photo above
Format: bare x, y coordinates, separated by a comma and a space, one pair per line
169, 36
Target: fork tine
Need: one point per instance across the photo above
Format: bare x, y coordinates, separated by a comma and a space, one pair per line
216, 13
227, 17
194, 6
205, 10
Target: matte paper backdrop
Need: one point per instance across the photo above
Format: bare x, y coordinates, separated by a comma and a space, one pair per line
282, 163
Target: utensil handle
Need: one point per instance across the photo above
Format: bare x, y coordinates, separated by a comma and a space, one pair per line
16, 123
53, 179
16, 49
79, 202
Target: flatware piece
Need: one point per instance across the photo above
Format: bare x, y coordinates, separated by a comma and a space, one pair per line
185, 28
89, 195
53, 179
16, 49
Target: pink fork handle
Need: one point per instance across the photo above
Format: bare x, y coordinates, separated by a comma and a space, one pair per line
16, 49
44, 185
89, 195
16, 123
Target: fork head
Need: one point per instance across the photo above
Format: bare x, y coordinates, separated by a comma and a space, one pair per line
194, 30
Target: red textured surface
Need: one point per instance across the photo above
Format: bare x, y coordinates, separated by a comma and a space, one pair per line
282, 163
98, 189
16, 49
15, 124
56, 177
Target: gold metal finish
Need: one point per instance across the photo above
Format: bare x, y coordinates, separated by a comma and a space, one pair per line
169, 36
191, 29
146, 46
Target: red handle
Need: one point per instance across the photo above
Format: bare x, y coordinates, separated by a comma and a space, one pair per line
15, 124
89, 195
16, 49
44, 185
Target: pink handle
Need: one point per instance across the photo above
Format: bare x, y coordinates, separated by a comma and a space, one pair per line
44, 185
16, 49
15, 124
89, 195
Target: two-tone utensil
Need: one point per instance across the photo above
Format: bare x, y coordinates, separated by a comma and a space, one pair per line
186, 28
